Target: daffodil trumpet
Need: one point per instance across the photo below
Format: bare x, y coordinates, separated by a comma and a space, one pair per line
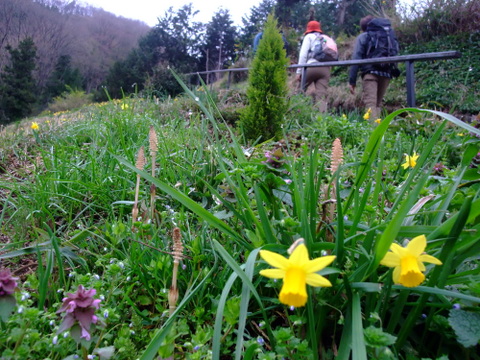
407, 262
297, 271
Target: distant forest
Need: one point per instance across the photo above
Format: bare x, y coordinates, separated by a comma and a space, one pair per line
52, 47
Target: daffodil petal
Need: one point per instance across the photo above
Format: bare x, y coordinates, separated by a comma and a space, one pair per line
417, 245
396, 275
429, 259
317, 280
299, 255
421, 266
318, 264
390, 259
275, 260
397, 249
273, 273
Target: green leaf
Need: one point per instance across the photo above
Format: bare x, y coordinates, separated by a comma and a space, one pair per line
466, 325
359, 351
378, 338
105, 353
7, 304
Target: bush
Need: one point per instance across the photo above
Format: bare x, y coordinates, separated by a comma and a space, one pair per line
70, 100
267, 90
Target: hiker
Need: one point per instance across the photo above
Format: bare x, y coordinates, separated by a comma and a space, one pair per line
258, 37
316, 47
375, 77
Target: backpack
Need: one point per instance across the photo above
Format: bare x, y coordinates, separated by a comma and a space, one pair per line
324, 48
382, 42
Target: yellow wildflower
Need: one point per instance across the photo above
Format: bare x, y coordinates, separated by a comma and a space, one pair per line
296, 272
35, 126
124, 106
378, 121
410, 161
408, 262
344, 117
367, 114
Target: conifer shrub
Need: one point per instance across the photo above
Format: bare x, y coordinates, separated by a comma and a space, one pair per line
267, 87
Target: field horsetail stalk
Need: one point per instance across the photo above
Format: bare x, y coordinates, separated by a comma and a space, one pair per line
152, 138
330, 195
140, 164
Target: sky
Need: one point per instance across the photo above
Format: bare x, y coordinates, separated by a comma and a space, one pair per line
148, 11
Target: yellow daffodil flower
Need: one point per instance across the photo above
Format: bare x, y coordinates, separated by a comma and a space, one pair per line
378, 121
367, 114
297, 271
410, 161
408, 262
35, 126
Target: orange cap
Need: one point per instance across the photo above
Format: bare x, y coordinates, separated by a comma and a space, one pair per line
313, 26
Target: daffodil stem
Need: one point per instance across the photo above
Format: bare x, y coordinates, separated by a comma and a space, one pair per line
311, 327
410, 321
399, 305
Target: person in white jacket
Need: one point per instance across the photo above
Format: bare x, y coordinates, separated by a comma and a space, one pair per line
319, 76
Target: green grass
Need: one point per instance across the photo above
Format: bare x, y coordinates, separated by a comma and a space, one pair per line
67, 192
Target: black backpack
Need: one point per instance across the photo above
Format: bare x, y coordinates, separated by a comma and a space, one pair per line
382, 42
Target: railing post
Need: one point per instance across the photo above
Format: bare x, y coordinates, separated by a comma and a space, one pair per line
410, 84
229, 79
304, 79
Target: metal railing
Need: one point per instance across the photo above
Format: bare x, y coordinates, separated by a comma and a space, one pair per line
409, 61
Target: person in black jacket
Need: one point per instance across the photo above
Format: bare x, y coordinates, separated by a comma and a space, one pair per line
375, 81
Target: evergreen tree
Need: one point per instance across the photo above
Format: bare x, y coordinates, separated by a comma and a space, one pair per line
253, 23
63, 78
172, 43
219, 49
18, 86
267, 87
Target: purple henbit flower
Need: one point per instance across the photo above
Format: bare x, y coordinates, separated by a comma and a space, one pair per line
438, 169
79, 308
274, 158
8, 283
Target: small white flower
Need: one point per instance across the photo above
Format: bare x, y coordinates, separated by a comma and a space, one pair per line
55, 340
105, 314
102, 297
96, 277
129, 278
132, 332
25, 296
52, 322
65, 334
121, 264
20, 309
